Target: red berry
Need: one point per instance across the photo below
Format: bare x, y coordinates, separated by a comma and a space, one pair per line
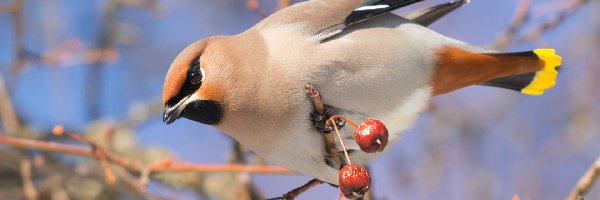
354, 181
371, 136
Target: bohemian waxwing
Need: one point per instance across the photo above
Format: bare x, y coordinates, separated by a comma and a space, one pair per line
364, 61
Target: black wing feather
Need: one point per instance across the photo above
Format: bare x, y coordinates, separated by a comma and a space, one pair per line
375, 9
365, 12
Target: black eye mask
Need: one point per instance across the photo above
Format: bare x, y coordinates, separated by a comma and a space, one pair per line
193, 81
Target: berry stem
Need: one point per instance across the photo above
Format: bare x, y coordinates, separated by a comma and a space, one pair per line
337, 131
345, 119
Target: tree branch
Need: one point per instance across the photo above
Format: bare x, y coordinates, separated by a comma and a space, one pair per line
28, 188
291, 195
554, 22
523, 14
134, 165
7, 111
586, 182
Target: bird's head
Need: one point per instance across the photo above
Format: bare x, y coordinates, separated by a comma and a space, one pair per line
189, 90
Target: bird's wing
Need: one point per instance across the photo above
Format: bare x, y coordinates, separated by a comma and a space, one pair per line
325, 18
427, 16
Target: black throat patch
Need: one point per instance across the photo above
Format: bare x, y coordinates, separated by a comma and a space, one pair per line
203, 111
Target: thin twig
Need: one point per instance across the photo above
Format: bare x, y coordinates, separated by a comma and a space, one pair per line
7, 111
140, 113
245, 186
7, 8
137, 166
108, 174
101, 155
554, 22
521, 16
147, 170
70, 53
586, 182
94, 76
19, 35
298, 191
28, 188
132, 181
317, 100
295, 192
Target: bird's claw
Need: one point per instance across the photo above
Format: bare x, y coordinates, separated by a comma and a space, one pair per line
320, 120
321, 112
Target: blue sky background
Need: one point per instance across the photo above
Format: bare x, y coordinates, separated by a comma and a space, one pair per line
478, 143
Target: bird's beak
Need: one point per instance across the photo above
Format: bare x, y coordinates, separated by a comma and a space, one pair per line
172, 113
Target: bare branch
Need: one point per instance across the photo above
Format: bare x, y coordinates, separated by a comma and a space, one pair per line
554, 22
7, 8
28, 188
186, 167
586, 182
521, 16
298, 191
7, 111
19, 35
137, 166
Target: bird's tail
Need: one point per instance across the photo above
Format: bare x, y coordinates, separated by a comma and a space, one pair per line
529, 72
534, 83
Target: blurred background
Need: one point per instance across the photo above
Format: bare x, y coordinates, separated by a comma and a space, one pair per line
96, 68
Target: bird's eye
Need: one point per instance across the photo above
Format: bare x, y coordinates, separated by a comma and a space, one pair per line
195, 73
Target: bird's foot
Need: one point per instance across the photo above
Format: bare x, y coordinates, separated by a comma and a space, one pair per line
320, 120
322, 112
319, 117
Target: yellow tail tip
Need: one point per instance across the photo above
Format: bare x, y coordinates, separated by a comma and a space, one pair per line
545, 78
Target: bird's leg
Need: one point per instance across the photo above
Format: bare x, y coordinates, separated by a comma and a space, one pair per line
322, 111
320, 116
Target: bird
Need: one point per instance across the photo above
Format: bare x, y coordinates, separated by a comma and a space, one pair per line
365, 61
